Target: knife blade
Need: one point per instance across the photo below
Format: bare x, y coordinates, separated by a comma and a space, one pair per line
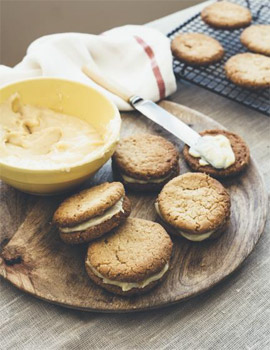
148, 108
165, 119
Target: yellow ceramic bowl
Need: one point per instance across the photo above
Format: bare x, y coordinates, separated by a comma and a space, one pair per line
71, 98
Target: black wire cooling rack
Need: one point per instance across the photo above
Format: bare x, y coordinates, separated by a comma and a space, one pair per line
213, 77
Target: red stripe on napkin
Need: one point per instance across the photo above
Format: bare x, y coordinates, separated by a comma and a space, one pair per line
154, 65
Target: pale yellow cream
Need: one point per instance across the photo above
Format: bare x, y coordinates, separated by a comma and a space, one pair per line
129, 179
217, 151
190, 237
40, 138
126, 286
196, 238
108, 214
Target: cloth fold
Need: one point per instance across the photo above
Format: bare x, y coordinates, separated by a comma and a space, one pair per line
137, 57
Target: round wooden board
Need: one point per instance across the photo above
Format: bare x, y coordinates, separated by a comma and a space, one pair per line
35, 260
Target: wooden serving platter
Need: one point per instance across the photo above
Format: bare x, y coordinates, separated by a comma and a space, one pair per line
34, 259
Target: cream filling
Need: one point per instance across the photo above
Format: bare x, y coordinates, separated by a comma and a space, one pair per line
108, 214
154, 181
126, 286
191, 237
217, 151
196, 238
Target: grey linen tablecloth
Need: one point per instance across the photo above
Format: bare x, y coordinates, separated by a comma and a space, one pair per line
234, 315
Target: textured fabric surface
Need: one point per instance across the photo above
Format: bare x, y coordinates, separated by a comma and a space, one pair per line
234, 315
143, 66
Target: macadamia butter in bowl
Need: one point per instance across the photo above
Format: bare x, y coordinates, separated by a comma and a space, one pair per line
54, 134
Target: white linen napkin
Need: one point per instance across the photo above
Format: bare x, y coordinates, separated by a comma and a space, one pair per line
137, 57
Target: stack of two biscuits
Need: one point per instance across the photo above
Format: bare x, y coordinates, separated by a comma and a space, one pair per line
126, 256
195, 205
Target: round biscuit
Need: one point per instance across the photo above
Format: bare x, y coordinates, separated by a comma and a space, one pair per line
118, 290
257, 38
145, 157
132, 252
94, 232
249, 70
196, 48
226, 15
145, 187
239, 147
87, 204
218, 232
194, 203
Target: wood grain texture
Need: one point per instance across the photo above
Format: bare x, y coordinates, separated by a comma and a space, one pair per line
36, 261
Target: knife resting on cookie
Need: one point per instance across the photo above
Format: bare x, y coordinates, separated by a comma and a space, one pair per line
158, 115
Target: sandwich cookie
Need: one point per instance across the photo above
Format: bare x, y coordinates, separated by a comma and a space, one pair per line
194, 206
145, 162
196, 48
237, 154
226, 15
250, 70
257, 38
132, 259
90, 213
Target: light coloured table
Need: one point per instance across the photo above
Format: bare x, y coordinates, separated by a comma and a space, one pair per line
234, 315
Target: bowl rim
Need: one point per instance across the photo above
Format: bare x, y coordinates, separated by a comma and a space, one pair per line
114, 137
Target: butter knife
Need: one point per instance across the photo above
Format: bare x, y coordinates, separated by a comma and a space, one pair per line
148, 108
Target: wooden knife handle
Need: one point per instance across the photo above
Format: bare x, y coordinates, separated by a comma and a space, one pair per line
93, 72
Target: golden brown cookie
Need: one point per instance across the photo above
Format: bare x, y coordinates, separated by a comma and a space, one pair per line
240, 150
145, 162
132, 259
195, 206
224, 14
196, 48
249, 70
90, 213
257, 38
